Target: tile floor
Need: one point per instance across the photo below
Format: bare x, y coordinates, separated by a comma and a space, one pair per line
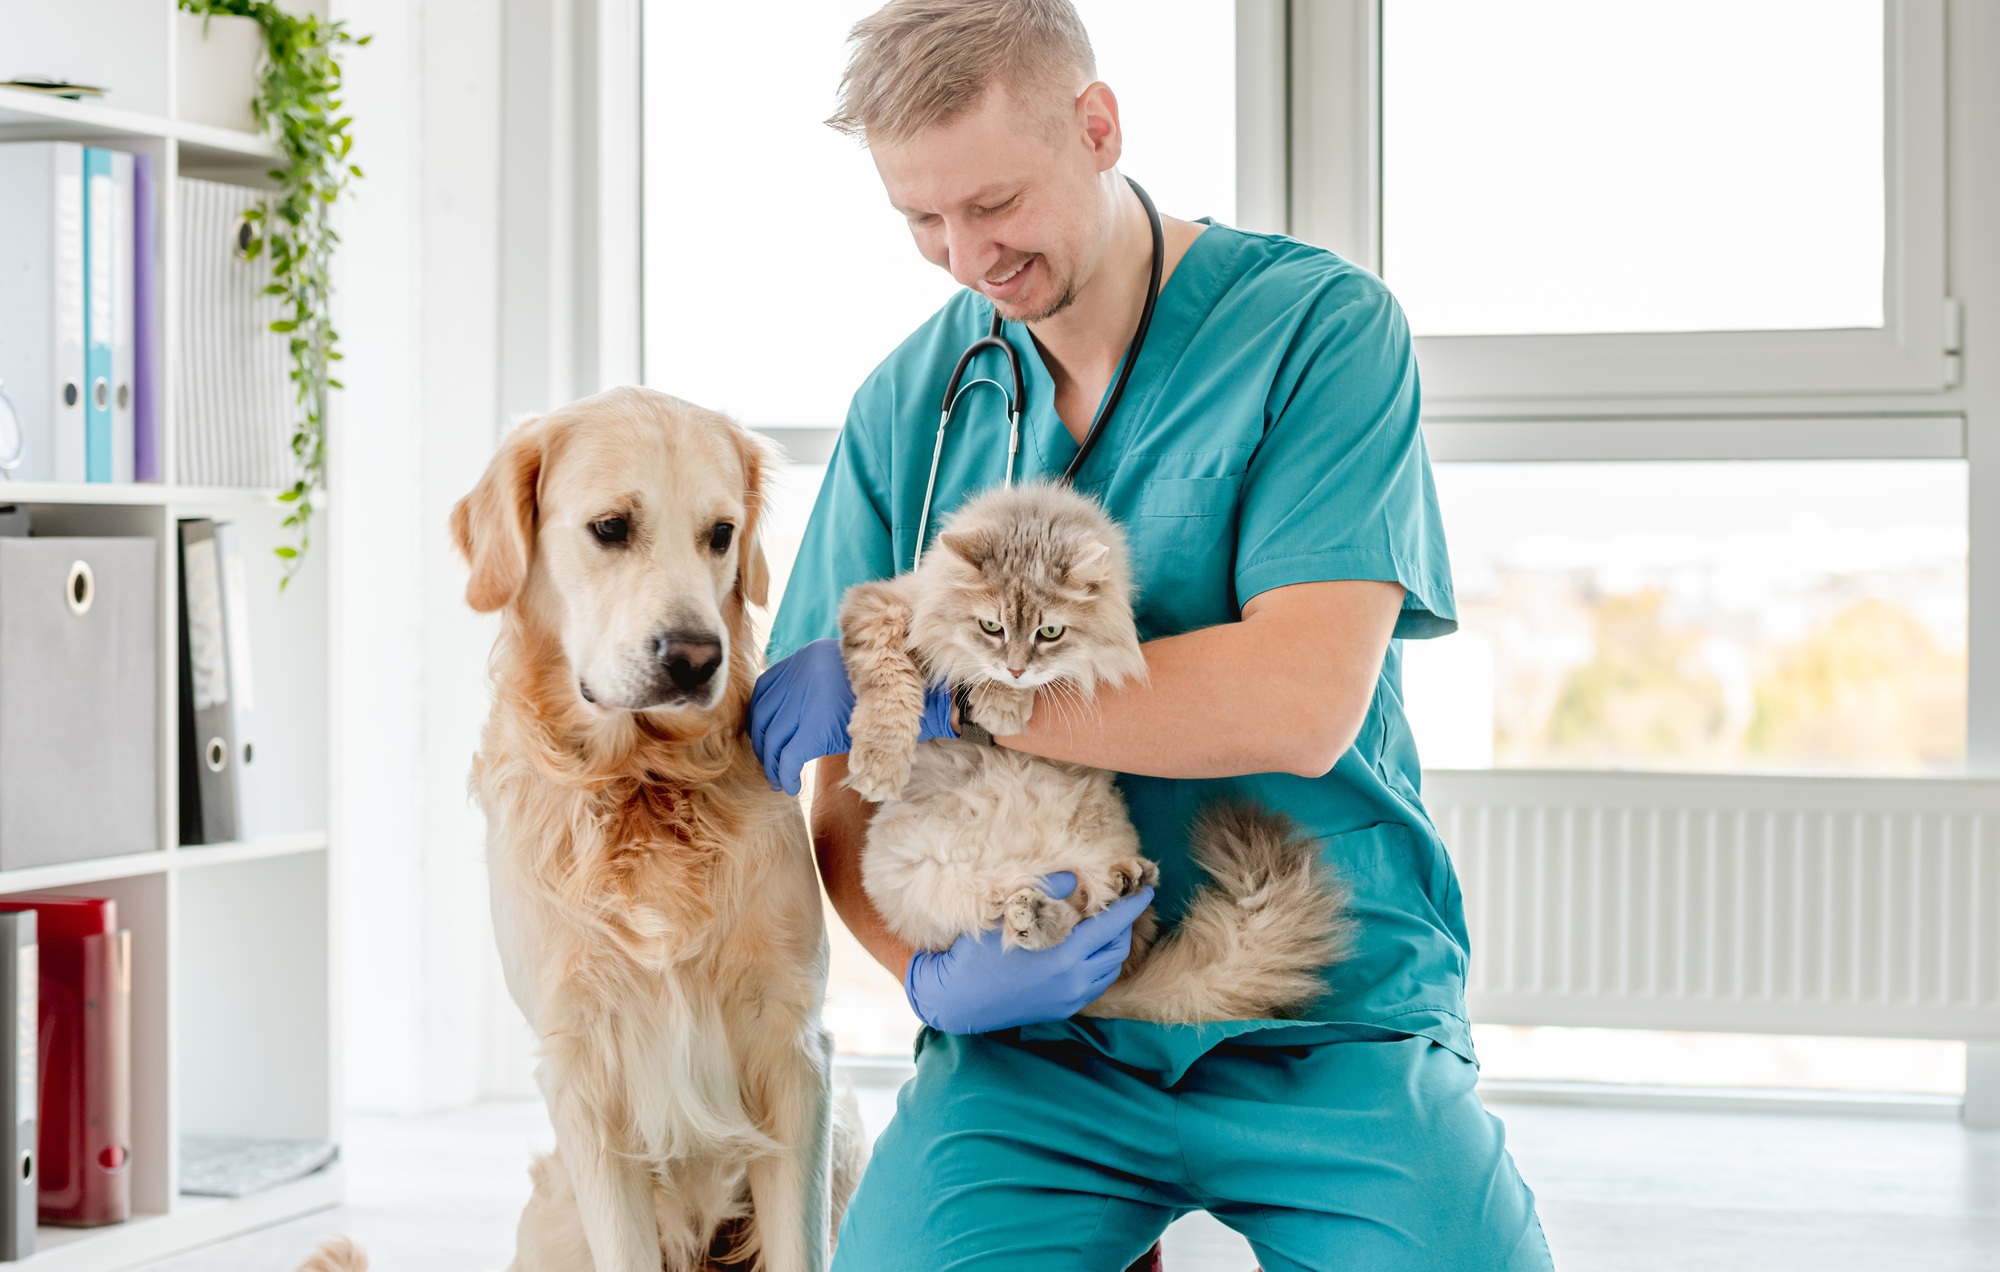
1621, 1190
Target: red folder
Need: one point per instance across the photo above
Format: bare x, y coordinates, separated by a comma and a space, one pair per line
86, 1059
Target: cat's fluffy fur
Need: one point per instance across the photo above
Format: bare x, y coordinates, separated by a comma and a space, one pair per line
965, 831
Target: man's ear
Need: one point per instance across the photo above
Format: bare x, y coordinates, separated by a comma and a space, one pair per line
753, 572
494, 526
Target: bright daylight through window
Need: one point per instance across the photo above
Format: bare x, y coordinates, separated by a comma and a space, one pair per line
1721, 616
1576, 166
820, 280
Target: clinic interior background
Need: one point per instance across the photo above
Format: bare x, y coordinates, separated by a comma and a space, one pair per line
1645, 587
1776, 616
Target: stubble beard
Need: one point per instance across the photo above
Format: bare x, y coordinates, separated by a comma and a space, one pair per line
1064, 299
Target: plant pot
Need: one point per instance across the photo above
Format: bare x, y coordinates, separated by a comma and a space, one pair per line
217, 63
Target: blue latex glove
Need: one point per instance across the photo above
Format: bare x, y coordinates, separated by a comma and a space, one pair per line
977, 987
800, 708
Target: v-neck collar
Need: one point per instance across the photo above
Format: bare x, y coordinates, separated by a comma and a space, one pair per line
1185, 299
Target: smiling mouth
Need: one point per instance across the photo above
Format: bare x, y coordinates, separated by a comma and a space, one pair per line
1001, 283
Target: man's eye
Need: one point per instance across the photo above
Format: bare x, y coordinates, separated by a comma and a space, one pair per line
719, 538
1053, 631
610, 530
990, 627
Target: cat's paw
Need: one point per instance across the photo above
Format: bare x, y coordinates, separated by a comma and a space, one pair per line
1128, 876
1034, 920
1000, 709
879, 767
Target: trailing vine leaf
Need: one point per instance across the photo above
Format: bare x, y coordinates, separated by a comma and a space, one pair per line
298, 105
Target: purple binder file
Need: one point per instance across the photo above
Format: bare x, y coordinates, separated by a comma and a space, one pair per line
146, 329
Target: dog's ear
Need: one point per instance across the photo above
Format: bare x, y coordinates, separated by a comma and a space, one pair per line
753, 572
494, 526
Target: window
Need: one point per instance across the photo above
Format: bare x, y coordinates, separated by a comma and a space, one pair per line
1666, 198
1718, 616
1574, 166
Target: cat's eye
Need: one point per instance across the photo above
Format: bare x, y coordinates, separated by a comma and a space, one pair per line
1053, 631
610, 530
990, 627
720, 535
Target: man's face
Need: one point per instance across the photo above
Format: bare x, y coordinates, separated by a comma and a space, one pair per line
1006, 199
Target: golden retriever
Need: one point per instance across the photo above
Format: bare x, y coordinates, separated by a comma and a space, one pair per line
655, 902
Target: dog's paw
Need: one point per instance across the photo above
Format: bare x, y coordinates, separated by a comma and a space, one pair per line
1034, 920
1000, 709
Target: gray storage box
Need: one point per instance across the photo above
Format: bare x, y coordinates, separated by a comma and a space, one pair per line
79, 699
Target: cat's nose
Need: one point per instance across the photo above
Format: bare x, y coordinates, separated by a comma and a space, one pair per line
1015, 672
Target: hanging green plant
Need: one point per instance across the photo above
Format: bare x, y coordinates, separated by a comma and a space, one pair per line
298, 105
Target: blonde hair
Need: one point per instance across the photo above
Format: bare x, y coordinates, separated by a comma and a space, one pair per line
917, 63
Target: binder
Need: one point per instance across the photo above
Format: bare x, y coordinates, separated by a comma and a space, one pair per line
208, 745
84, 1145
145, 322
124, 243
250, 810
41, 308
20, 1107
99, 318
235, 402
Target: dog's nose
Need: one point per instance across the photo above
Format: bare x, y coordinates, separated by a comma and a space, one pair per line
690, 658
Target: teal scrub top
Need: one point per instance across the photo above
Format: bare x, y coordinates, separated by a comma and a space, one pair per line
1268, 436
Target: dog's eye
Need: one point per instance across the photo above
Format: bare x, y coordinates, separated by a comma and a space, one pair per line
1053, 631
990, 627
610, 530
720, 536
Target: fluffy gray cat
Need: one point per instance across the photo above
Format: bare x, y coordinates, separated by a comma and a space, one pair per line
1027, 594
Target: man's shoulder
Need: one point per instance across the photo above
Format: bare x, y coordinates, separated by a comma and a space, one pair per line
1276, 270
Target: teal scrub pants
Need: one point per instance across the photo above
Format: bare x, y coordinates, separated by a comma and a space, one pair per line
1006, 1155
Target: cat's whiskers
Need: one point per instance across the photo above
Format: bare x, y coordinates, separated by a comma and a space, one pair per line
1072, 705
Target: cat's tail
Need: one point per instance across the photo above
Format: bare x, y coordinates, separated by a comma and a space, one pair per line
1257, 935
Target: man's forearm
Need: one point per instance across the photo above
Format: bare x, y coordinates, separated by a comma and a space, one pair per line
1283, 691
839, 830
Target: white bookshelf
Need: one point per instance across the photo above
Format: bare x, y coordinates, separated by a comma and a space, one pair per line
234, 945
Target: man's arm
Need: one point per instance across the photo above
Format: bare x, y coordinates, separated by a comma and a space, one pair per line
1283, 691
839, 829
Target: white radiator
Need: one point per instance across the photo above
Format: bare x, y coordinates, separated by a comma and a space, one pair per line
1767, 905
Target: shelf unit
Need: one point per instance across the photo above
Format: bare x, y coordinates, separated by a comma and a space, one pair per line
234, 1029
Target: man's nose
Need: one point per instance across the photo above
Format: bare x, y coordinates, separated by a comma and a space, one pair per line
968, 255
690, 657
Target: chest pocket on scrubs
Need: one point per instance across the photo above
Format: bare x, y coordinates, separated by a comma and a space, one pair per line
1183, 553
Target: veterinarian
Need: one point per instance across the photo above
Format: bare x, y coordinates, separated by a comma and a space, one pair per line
1266, 463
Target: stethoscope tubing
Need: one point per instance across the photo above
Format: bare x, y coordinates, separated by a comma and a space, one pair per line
954, 389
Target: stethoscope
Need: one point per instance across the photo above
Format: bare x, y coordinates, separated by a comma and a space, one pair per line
954, 389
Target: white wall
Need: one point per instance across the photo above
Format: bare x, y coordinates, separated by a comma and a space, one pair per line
417, 314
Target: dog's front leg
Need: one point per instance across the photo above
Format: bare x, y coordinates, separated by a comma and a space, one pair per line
614, 1195
790, 1191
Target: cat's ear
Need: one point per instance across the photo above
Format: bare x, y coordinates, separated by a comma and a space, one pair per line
1091, 566
974, 547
